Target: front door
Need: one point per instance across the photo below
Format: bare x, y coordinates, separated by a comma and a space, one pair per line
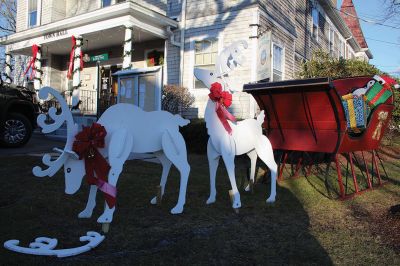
108, 93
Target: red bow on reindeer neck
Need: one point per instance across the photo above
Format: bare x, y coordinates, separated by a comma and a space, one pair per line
72, 59
35, 50
86, 145
222, 99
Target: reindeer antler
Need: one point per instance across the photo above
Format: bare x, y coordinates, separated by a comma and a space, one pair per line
53, 165
59, 119
65, 115
228, 59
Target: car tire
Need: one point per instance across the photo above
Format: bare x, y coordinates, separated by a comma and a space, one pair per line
17, 130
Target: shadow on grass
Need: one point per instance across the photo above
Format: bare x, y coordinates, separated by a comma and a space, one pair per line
145, 234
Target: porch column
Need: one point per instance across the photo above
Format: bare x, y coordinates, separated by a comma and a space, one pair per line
76, 73
8, 68
37, 80
128, 49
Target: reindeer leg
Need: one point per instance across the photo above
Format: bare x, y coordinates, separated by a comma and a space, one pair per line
91, 203
174, 148
119, 149
213, 161
253, 160
229, 159
266, 154
166, 164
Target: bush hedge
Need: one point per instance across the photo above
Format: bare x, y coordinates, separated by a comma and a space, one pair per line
195, 135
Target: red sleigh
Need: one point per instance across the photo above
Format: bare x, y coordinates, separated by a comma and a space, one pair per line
306, 124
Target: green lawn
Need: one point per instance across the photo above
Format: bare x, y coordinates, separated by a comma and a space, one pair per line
304, 226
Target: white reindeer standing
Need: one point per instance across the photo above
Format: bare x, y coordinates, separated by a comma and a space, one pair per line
246, 137
129, 130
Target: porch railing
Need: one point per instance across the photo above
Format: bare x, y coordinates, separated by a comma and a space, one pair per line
87, 106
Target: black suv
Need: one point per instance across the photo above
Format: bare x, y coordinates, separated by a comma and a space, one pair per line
18, 113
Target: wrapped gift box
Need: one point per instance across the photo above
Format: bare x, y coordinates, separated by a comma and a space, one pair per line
356, 112
378, 94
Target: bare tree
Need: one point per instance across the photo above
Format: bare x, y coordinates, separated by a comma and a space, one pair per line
392, 8
8, 10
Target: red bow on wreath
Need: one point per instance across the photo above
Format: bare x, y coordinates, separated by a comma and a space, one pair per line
72, 58
222, 99
86, 145
35, 50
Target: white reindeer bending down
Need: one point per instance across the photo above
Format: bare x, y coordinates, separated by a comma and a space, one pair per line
129, 130
246, 137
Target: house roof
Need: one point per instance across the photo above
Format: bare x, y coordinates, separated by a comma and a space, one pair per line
349, 14
343, 27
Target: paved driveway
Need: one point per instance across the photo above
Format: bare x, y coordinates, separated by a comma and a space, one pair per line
37, 146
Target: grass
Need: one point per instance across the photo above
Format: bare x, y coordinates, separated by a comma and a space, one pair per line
304, 226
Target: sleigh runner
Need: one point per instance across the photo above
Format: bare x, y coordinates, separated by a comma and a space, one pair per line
306, 124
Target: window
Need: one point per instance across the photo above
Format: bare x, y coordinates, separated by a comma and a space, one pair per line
321, 23
277, 63
331, 41
32, 13
105, 3
348, 55
336, 48
205, 54
341, 49
315, 22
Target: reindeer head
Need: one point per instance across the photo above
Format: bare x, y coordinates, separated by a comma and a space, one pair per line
230, 57
74, 169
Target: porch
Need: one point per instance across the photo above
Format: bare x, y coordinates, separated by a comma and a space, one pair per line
105, 34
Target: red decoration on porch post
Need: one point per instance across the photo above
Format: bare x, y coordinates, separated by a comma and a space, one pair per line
72, 59
31, 64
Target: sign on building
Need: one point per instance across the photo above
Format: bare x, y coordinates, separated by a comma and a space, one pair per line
264, 56
100, 57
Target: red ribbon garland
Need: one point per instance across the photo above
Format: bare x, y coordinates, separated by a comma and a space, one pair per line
35, 50
86, 145
72, 59
222, 99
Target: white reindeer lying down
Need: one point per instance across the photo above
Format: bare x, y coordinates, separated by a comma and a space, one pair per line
129, 130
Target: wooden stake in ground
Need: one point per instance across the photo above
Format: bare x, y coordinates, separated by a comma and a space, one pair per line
105, 227
251, 183
231, 196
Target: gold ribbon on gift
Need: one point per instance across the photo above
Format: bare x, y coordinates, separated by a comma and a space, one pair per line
382, 116
350, 107
348, 96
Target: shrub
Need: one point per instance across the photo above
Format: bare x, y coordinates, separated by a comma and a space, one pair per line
195, 135
322, 64
396, 111
176, 98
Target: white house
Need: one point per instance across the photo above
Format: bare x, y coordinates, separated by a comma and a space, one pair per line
162, 41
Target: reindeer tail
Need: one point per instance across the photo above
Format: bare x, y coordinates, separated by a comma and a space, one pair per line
180, 121
261, 117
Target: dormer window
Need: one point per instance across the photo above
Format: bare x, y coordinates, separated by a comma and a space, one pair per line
32, 13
